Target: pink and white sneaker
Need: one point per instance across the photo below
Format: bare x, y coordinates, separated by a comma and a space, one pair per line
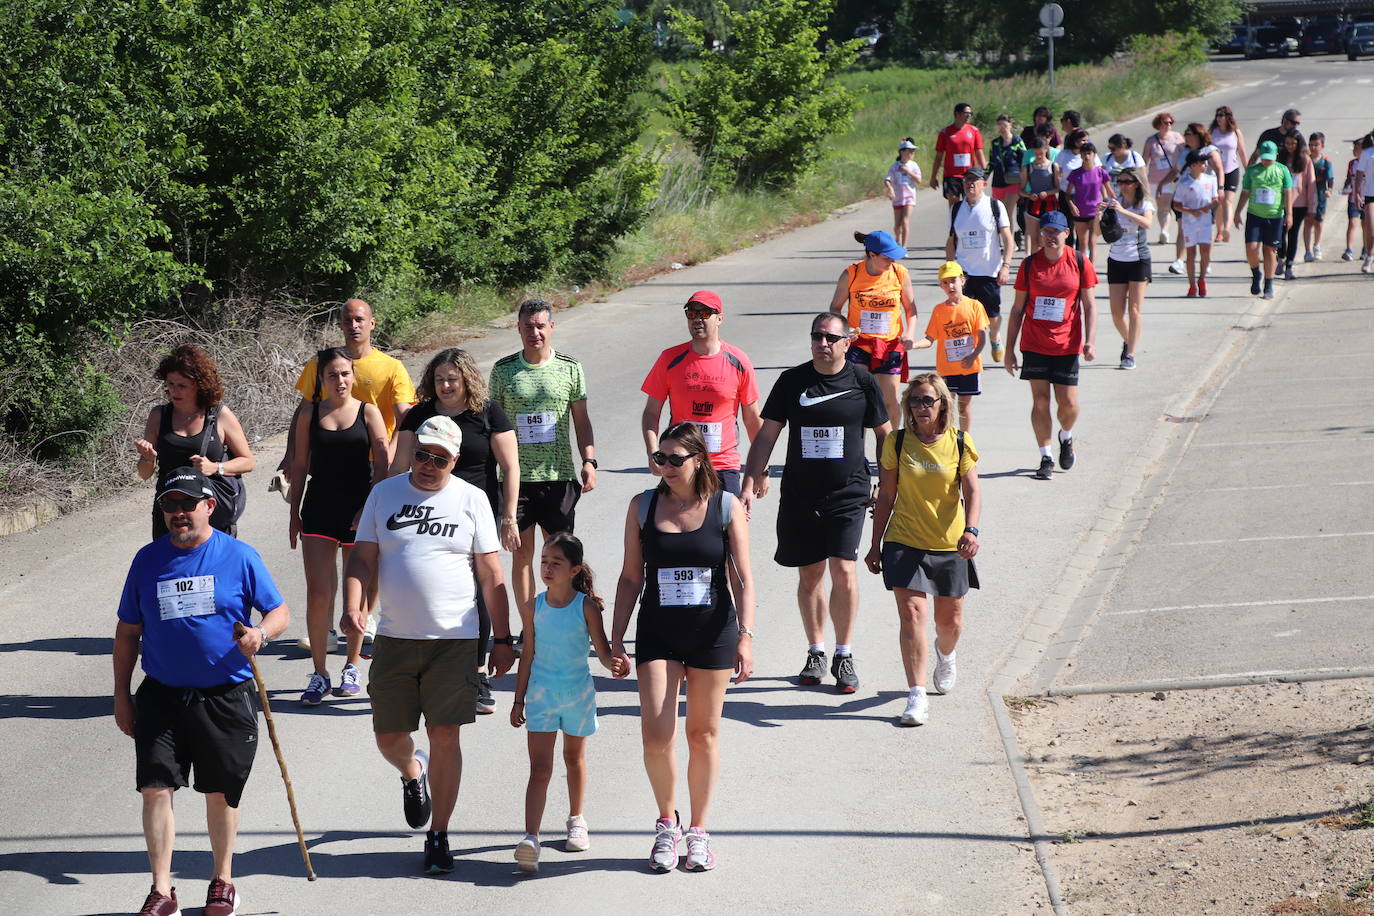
667, 834
699, 856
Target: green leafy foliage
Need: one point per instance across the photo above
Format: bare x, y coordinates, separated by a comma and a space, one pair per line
158, 155
757, 113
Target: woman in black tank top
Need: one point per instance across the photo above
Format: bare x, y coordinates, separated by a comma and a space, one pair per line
340, 435
687, 551
174, 434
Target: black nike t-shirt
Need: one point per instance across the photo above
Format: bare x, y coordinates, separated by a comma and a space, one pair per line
476, 462
827, 415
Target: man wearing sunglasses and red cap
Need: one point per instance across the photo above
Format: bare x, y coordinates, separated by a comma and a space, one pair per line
707, 383
195, 708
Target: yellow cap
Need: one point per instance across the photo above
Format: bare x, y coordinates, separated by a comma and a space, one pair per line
951, 269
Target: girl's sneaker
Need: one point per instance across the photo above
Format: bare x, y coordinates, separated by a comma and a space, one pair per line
1308, 257
917, 711
699, 856
1192, 291
348, 682
1316, 252
1202, 288
577, 840
527, 854
667, 834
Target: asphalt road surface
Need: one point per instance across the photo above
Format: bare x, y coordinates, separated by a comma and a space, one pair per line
1158, 556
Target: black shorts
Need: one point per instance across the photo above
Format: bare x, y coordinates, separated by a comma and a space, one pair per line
213, 729
1263, 230
1084, 219
705, 638
964, 383
1232, 181
940, 573
810, 534
328, 512
1129, 271
953, 186
548, 504
1058, 370
986, 291
730, 479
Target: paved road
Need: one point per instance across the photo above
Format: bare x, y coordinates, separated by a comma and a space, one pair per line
823, 803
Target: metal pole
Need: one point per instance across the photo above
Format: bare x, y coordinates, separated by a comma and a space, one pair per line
1051, 63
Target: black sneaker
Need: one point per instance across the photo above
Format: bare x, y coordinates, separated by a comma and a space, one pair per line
438, 860
1254, 283
415, 794
1125, 349
842, 667
813, 669
1046, 469
486, 703
1066, 457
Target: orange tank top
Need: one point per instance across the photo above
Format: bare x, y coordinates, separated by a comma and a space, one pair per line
875, 303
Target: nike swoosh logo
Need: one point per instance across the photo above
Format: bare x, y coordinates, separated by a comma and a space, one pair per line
393, 525
811, 402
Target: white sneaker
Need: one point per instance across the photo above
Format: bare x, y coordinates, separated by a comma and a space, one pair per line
1164, 236
946, 671
1364, 268
370, 631
304, 642
527, 854
1177, 266
1208, 271
1316, 252
917, 708
577, 840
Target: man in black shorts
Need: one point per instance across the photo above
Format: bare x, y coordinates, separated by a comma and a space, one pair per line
825, 486
1055, 317
980, 239
195, 709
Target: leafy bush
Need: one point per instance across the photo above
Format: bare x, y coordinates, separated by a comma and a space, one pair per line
757, 114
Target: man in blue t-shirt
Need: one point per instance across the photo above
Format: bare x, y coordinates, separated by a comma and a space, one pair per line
184, 593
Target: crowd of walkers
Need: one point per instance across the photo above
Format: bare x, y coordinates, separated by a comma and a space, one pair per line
408, 495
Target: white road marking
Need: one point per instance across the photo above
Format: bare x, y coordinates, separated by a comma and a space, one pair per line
1281, 442
1234, 604
1306, 82
1282, 486
1274, 537
1365, 81
1287, 633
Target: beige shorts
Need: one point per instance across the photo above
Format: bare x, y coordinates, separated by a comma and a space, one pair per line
407, 677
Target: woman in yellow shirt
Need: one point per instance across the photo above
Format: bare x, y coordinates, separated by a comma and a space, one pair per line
925, 532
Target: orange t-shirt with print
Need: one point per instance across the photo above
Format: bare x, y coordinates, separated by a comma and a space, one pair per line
954, 328
875, 303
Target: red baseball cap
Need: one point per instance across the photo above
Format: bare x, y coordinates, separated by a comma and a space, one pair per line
707, 298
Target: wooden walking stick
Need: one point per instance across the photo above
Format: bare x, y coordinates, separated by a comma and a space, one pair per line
239, 630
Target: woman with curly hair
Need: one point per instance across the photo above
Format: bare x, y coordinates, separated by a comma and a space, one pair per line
194, 429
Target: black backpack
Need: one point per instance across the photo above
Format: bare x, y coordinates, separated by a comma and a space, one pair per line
1112, 230
231, 496
996, 213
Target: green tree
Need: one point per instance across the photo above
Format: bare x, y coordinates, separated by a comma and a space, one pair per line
757, 113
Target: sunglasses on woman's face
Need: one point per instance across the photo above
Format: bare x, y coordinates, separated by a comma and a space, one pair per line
439, 461
923, 402
677, 461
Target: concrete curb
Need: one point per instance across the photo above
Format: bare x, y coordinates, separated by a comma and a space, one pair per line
1210, 683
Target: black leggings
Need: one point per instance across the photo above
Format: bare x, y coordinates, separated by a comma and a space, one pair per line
1290, 244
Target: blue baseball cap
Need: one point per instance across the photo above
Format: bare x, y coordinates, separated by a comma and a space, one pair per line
883, 243
1054, 220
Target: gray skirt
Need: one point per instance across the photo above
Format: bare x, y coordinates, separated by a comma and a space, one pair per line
936, 572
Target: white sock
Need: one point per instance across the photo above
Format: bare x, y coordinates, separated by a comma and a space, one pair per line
533, 838
1044, 451
916, 691
841, 648
1066, 435
818, 647
942, 654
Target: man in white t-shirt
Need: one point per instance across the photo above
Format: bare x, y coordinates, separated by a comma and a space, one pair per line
980, 239
431, 539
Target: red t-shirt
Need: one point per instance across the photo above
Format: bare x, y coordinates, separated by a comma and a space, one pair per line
958, 145
1050, 324
707, 391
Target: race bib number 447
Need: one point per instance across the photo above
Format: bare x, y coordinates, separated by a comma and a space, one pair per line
193, 596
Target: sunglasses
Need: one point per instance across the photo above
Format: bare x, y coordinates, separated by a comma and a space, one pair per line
923, 401
818, 336
1127, 181
439, 461
677, 461
172, 505
699, 313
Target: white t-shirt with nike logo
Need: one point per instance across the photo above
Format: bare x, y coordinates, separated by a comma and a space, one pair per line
426, 542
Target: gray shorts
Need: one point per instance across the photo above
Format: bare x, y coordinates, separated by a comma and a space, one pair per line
407, 677
942, 573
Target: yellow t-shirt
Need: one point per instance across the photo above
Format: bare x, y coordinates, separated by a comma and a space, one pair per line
377, 379
928, 513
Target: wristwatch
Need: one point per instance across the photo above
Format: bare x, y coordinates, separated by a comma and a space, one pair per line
592, 462
505, 640
972, 530
745, 631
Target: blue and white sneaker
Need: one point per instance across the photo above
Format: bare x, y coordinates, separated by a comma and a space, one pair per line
315, 690
348, 682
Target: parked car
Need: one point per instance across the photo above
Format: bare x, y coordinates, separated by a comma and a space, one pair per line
1321, 35
1236, 43
1265, 41
1361, 40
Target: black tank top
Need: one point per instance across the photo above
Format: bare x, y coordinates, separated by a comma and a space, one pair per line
174, 451
339, 457
674, 563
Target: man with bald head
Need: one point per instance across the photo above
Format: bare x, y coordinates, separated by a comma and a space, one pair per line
377, 379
